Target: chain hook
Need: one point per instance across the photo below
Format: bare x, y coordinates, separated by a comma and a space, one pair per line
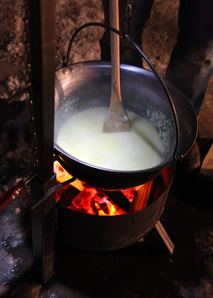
126, 26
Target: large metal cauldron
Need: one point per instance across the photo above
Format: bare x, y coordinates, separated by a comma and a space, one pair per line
86, 85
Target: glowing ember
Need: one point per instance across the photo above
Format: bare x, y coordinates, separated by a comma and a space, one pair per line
94, 202
80, 197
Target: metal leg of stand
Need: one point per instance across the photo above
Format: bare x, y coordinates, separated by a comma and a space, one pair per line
165, 237
42, 50
43, 231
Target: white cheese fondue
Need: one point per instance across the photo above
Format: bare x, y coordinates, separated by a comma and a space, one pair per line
82, 137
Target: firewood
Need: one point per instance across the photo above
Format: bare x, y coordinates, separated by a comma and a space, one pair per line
118, 198
65, 195
142, 196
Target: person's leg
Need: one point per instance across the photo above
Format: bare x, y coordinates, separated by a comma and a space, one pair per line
191, 62
141, 10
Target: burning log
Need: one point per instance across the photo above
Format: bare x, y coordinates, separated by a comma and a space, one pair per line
65, 195
119, 199
142, 196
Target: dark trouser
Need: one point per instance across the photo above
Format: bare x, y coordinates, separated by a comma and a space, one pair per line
191, 61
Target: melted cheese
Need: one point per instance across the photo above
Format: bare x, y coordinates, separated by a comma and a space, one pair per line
82, 137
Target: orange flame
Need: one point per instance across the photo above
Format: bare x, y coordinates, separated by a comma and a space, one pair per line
90, 200
62, 175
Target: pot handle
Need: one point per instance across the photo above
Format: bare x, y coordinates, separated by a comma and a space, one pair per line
148, 62
163, 85
52, 190
11, 194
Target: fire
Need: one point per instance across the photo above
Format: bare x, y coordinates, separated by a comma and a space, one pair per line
80, 197
94, 202
62, 175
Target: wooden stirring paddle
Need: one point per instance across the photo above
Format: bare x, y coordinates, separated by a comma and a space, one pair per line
116, 119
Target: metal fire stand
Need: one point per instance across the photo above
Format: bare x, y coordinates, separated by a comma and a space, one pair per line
42, 52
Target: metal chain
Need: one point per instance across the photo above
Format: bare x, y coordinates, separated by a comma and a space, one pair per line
126, 26
27, 39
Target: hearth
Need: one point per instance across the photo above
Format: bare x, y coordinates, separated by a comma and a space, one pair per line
100, 220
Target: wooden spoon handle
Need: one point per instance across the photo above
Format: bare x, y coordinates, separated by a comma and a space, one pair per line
116, 119
115, 50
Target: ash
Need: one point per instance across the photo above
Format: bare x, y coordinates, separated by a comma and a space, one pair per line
144, 270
